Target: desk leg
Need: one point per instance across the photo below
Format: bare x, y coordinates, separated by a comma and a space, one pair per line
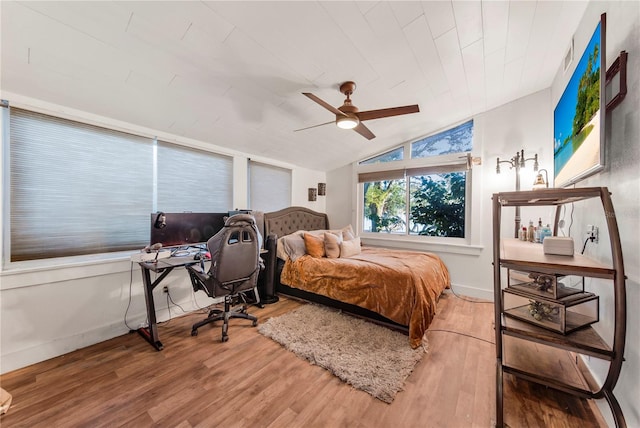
150, 333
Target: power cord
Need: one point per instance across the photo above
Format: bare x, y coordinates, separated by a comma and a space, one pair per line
465, 299
169, 299
571, 223
584, 247
457, 332
462, 334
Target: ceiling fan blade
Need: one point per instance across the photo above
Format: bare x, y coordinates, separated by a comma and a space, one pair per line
324, 104
364, 131
387, 112
314, 126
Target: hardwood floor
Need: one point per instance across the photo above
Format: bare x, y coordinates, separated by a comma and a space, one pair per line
250, 381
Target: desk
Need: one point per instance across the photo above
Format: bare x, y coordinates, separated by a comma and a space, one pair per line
164, 268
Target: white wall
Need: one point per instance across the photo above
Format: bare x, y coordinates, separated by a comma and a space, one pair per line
621, 175
51, 307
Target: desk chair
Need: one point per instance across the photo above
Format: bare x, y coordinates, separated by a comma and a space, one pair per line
235, 265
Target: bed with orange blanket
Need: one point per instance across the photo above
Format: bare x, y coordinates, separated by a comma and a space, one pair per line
396, 287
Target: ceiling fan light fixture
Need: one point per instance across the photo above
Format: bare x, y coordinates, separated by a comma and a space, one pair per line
347, 122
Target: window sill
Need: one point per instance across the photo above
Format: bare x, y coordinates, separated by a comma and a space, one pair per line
422, 244
39, 272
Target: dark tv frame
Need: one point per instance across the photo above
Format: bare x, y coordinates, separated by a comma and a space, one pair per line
184, 229
583, 171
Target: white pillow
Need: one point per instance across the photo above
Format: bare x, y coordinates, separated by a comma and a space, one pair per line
347, 233
332, 245
350, 248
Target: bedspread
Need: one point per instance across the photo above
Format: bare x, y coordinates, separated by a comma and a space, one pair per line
403, 286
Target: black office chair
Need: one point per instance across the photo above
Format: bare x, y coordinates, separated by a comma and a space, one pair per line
234, 270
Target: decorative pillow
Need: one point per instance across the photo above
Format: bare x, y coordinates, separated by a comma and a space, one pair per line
350, 248
314, 245
347, 233
332, 245
295, 247
291, 246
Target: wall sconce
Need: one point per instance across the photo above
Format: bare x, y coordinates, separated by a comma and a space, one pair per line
540, 182
517, 162
313, 193
322, 189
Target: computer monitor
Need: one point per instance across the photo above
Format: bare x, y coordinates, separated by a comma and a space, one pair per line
180, 229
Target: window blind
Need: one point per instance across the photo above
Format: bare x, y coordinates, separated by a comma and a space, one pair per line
193, 180
269, 187
76, 188
394, 174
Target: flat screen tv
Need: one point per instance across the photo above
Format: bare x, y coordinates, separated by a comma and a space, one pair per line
579, 116
184, 229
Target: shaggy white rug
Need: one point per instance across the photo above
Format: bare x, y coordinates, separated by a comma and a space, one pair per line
367, 356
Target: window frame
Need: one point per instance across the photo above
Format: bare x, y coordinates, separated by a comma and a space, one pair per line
73, 266
470, 244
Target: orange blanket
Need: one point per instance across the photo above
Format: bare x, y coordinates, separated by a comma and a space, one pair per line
403, 286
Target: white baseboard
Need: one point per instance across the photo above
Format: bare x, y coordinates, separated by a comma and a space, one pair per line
479, 293
59, 347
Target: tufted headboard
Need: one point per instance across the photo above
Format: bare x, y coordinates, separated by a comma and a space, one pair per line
292, 219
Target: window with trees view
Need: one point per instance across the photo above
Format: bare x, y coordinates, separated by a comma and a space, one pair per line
424, 195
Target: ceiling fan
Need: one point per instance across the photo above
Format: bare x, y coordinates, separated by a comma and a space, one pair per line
349, 117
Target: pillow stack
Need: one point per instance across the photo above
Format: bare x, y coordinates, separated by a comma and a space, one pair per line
332, 243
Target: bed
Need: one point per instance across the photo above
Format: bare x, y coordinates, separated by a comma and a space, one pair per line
397, 288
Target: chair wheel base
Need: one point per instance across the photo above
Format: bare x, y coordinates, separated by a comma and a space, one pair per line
194, 332
255, 323
225, 338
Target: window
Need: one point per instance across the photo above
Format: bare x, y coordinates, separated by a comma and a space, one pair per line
390, 156
424, 196
79, 189
193, 180
269, 187
455, 140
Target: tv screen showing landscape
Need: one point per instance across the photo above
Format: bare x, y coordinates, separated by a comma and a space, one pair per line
578, 119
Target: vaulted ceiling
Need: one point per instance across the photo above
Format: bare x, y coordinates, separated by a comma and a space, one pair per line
232, 73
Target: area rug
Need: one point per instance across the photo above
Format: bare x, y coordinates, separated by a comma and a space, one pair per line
367, 356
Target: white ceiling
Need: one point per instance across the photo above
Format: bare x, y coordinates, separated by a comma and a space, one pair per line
232, 73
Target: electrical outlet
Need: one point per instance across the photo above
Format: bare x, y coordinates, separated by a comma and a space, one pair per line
165, 289
592, 233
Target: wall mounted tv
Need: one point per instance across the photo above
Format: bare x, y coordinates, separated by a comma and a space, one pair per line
579, 115
181, 229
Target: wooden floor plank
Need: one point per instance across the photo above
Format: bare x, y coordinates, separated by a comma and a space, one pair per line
252, 381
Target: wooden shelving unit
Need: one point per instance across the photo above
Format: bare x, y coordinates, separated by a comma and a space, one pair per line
523, 256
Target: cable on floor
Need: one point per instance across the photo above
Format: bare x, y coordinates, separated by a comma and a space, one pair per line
461, 334
465, 299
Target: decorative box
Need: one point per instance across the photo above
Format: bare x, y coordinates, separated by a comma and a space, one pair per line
552, 286
561, 246
563, 315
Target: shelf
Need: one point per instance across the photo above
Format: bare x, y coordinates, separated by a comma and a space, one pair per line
544, 365
584, 341
528, 256
527, 359
548, 196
